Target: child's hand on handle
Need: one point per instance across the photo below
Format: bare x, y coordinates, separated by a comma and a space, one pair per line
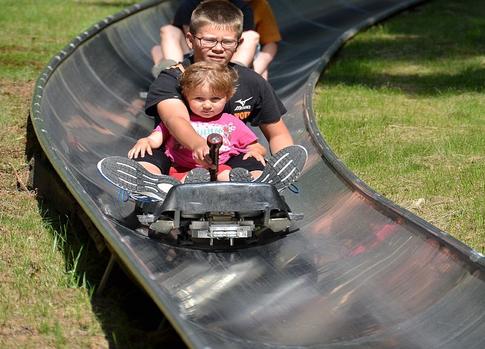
201, 154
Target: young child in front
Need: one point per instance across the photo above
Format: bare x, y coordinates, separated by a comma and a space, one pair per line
206, 88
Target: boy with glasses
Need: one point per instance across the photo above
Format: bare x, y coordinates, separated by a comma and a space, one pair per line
214, 34
173, 46
257, 50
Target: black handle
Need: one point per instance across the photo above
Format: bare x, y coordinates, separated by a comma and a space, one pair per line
214, 141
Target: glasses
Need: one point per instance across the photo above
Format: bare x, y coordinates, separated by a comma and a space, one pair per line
227, 44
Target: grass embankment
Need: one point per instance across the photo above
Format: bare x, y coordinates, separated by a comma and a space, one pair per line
403, 105
45, 297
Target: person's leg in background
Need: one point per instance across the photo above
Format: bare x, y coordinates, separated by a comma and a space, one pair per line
247, 49
171, 49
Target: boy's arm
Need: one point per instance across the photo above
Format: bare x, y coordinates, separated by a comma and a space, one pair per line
265, 57
175, 117
277, 135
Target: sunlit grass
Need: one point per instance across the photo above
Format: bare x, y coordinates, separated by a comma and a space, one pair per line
403, 106
33, 31
45, 300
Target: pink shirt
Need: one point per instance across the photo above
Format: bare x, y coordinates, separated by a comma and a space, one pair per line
235, 134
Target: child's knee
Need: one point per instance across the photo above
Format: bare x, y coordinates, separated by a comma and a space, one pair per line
251, 37
169, 30
256, 173
223, 176
156, 51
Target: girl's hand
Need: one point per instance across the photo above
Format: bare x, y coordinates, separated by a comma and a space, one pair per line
201, 154
141, 147
258, 148
255, 153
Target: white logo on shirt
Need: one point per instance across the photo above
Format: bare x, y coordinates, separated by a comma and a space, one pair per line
243, 102
243, 105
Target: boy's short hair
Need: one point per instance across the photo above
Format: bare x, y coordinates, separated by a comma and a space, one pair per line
217, 13
220, 78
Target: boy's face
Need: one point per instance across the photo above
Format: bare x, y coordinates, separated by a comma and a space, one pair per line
213, 44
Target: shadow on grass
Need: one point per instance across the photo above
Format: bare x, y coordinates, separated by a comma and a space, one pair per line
428, 36
107, 3
470, 79
128, 316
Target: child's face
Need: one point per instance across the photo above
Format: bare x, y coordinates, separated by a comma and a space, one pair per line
206, 103
221, 52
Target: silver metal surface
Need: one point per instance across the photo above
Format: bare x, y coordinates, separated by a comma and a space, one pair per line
218, 230
360, 273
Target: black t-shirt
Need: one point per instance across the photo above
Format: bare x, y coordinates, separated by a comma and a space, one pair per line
254, 101
185, 9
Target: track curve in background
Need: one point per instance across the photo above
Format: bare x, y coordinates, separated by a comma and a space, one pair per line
360, 273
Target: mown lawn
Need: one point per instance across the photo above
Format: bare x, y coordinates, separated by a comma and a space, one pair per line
47, 270
403, 105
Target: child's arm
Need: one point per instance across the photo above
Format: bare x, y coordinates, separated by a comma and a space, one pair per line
146, 144
256, 151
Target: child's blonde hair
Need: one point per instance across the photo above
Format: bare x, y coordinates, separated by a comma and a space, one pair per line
218, 13
220, 78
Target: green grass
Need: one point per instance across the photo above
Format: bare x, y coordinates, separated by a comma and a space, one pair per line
403, 105
33, 31
45, 297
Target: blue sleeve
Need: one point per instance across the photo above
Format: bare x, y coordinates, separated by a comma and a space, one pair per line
247, 11
184, 12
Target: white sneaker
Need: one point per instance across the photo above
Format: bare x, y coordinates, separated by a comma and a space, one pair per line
129, 175
284, 168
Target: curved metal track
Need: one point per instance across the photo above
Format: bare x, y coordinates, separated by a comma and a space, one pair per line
360, 273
